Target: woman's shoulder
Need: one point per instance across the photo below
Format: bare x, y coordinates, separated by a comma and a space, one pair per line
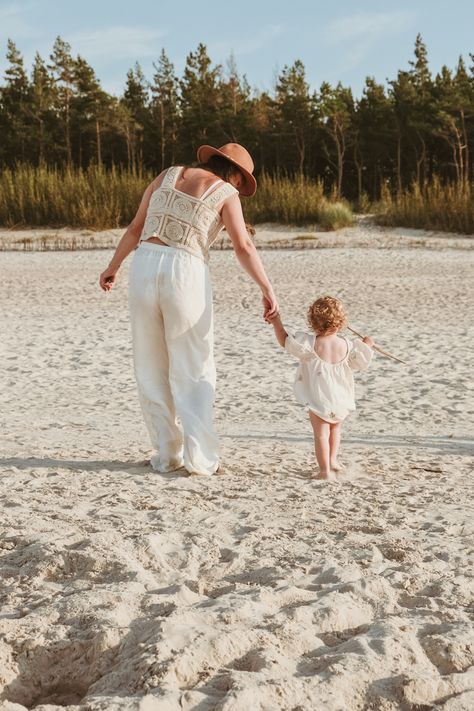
158, 181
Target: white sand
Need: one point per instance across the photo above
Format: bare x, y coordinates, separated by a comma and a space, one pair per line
259, 589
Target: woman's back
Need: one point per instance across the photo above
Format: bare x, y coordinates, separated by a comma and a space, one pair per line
195, 182
183, 211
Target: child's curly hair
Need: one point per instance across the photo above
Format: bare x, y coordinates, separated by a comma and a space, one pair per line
326, 314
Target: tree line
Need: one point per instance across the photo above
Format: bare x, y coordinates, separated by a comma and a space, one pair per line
416, 127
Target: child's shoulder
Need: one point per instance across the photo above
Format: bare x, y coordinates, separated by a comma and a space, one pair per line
304, 337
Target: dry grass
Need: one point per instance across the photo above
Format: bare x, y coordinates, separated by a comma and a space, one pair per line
447, 207
92, 198
296, 201
99, 199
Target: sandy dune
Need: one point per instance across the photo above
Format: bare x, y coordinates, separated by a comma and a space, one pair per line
259, 589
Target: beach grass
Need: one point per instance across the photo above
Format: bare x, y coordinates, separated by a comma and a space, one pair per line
94, 198
97, 199
447, 207
297, 201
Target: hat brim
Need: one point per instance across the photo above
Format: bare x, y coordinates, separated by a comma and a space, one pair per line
249, 188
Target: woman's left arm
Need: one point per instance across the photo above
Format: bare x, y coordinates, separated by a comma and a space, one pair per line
130, 238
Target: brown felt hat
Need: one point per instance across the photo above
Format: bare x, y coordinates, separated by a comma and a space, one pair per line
239, 156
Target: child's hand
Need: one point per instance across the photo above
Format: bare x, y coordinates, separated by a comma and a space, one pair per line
274, 318
369, 341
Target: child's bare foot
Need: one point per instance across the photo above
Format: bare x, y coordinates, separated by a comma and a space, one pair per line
338, 467
322, 474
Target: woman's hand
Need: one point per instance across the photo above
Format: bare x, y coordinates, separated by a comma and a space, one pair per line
270, 304
275, 319
131, 237
107, 279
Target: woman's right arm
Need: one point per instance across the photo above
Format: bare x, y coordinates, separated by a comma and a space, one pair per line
246, 252
130, 238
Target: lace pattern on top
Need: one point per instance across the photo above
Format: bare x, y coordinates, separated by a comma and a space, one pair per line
184, 221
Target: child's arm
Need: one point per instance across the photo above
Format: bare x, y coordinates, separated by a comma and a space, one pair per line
361, 354
279, 329
286, 341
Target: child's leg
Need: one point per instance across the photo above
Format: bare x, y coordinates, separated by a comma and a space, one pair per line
321, 430
334, 442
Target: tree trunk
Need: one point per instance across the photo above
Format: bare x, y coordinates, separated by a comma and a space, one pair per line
341, 148
300, 144
129, 147
465, 146
421, 163
68, 132
41, 160
399, 162
163, 140
98, 142
359, 167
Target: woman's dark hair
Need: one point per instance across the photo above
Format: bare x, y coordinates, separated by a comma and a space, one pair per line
219, 166
224, 169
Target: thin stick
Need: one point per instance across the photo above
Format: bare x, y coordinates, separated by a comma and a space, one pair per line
378, 349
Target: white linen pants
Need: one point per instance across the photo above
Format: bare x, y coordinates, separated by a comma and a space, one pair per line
170, 299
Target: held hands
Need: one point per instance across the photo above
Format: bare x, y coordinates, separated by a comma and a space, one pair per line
270, 306
107, 279
273, 320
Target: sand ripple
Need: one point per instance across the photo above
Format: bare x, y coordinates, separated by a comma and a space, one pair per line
260, 589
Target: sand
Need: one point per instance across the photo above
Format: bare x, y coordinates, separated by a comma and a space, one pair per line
259, 589
365, 233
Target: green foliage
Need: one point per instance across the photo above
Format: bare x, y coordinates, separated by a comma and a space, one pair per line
198, 101
294, 120
164, 112
417, 130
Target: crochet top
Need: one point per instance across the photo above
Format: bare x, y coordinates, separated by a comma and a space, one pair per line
183, 221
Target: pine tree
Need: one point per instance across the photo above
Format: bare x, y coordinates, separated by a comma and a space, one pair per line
198, 101
164, 109
63, 68
374, 138
233, 106
294, 112
422, 110
42, 110
335, 108
136, 102
91, 108
261, 132
455, 110
15, 108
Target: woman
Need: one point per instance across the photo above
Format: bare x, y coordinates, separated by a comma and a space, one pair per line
179, 217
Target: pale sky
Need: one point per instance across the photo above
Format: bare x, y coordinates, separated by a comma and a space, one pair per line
343, 41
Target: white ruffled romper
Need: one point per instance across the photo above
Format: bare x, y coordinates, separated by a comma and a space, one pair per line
327, 389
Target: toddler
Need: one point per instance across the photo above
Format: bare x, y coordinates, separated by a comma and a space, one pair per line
324, 380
